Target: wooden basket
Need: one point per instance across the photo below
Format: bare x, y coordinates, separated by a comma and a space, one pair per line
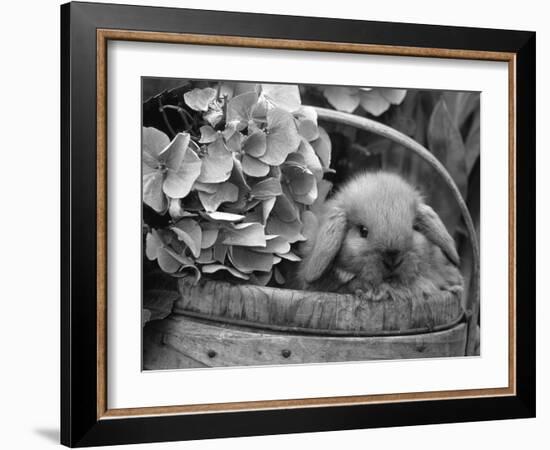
215, 323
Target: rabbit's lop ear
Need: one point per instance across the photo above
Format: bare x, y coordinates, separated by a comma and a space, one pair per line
327, 244
431, 226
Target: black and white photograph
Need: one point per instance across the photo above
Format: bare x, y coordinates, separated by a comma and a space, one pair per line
304, 224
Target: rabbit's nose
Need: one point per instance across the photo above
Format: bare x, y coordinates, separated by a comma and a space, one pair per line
392, 259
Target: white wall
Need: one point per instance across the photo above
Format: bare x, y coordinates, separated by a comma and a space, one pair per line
29, 394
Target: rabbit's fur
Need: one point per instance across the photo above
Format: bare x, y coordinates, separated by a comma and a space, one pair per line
377, 236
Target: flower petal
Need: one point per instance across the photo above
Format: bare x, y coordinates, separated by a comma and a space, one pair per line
175, 152
265, 189
307, 123
152, 191
285, 96
152, 144
200, 99
209, 236
223, 216
285, 209
256, 144
246, 235
213, 268
276, 245
166, 261
208, 134
290, 256
311, 159
254, 167
291, 231
239, 109
323, 147
189, 231
216, 164
248, 261
373, 102
282, 138
225, 192
179, 182
394, 96
342, 98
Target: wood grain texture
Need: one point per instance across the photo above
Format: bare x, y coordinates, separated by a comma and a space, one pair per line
180, 342
315, 310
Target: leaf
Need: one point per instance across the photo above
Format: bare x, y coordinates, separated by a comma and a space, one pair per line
189, 231
245, 234
282, 137
256, 144
223, 216
153, 142
225, 192
209, 236
152, 191
445, 142
342, 98
323, 147
213, 268
373, 102
248, 261
200, 99
285, 96
266, 189
208, 134
178, 182
254, 167
216, 164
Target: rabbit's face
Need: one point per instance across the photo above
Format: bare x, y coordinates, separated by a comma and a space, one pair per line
377, 229
381, 243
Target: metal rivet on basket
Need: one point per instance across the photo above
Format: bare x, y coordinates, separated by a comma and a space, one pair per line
211, 353
286, 353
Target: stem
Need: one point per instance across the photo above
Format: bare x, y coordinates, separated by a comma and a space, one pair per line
166, 121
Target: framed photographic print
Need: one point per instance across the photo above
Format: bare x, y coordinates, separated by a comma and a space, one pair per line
277, 224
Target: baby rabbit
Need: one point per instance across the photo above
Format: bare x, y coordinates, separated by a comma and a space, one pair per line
377, 236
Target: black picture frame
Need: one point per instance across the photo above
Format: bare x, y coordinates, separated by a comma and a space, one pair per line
80, 425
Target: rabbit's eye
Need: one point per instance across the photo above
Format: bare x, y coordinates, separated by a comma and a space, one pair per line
363, 231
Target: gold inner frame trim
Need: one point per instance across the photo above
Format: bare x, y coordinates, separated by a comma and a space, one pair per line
103, 36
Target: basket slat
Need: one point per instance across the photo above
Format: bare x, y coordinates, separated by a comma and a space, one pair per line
179, 342
314, 310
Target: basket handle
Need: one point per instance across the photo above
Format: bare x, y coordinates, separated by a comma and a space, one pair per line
380, 129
